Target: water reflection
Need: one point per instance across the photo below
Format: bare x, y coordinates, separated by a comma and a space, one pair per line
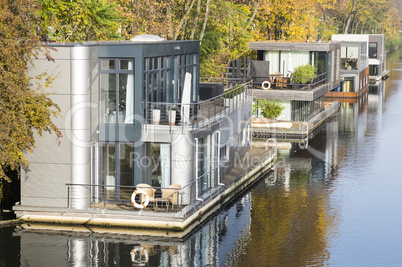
44, 245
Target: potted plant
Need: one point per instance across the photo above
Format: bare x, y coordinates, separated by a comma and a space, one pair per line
269, 109
303, 75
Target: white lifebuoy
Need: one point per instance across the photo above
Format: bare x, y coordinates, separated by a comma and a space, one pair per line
139, 205
266, 83
140, 251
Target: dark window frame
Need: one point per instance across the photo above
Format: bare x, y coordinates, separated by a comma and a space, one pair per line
117, 71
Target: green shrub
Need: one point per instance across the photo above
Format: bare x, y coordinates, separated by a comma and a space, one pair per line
304, 74
269, 109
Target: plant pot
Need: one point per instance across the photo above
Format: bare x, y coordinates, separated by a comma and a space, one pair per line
172, 117
156, 116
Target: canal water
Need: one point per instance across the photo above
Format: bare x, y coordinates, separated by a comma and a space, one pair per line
336, 202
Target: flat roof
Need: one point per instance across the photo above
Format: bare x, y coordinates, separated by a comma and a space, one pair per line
289, 46
114, 43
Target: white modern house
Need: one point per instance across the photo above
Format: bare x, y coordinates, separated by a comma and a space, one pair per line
374, 50
132, 119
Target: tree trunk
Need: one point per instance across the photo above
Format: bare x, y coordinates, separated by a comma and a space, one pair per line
254, 14
169, 18
197, 17
349, 18
183, 19
204, 25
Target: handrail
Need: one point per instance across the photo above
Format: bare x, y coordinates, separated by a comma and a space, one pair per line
201, 114
208, 100
313, 81
185, 206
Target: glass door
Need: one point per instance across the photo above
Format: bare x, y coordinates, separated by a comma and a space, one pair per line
117, 171
109, 171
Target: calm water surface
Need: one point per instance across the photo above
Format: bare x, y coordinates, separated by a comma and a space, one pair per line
338, 202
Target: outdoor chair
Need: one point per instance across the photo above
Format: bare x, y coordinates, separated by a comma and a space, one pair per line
172, 194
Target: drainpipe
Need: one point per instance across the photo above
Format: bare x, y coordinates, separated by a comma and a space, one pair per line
196, 171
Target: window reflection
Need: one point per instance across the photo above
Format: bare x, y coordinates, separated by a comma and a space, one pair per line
117, 91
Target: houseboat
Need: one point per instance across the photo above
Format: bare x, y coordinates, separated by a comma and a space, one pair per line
354, 72
374, 49
301, 98
139, 147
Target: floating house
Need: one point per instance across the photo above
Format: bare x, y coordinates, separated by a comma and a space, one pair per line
132, 119
374, 50
301, 97
354, 71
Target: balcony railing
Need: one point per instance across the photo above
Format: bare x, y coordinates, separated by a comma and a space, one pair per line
288, 83
170, 201
197, 116
161, 199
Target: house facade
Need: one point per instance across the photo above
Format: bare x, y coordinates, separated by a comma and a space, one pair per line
374, 50
301, 100
354, 69
131, 114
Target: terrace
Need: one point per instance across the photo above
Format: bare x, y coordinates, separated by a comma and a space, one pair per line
174, 202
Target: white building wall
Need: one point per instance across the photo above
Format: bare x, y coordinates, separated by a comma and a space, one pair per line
51, 166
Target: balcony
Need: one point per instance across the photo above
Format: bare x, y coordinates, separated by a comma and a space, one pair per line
289, 83
197, 116
284, 88
175, 201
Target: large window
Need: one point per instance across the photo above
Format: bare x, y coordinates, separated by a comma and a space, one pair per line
306, 110
157, 79
373, 70
348, 85
158, 164
164, 78
117, 91
372, 50
204, 163
117, 171
349, 58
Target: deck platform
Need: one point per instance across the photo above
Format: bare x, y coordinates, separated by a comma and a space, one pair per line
294, 131
124, 218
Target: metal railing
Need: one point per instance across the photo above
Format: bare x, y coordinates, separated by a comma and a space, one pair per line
196, 116
228, 83
180, 202
115, 197
288, 83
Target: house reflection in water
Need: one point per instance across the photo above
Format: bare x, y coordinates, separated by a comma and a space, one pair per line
206, 247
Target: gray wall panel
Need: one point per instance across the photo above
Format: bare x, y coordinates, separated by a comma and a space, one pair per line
47, 149
44, 185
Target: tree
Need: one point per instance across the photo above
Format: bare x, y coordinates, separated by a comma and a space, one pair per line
79, 20
23, 109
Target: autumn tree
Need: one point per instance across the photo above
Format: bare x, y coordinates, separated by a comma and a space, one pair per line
79, 20
24, 110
